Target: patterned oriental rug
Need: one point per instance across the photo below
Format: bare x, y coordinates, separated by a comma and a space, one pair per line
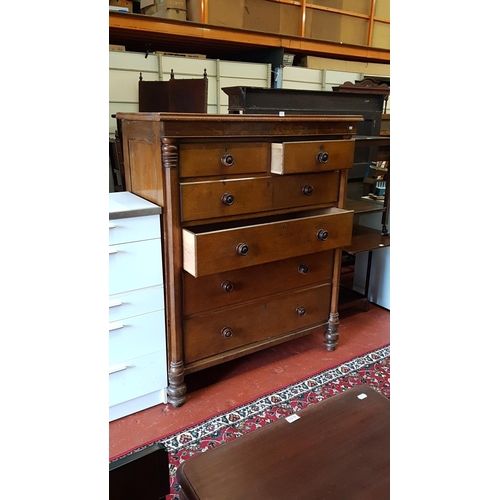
373, 369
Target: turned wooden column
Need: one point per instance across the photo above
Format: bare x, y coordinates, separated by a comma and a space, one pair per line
173, 272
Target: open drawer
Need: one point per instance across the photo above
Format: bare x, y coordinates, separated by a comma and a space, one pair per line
311, 156
216, 248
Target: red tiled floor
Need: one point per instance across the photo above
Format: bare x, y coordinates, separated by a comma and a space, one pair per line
220, 388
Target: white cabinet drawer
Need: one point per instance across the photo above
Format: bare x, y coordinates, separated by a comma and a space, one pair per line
131, 229
133, 337
144, 374
129, 304
135, 265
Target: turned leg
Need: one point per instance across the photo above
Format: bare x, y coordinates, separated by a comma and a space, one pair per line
331, 332
176, 390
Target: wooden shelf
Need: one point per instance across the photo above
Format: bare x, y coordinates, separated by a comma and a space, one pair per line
136, 31
365, 239
363, 206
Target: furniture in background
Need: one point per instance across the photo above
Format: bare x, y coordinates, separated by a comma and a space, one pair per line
368, 98
254, 218
337, 448
137, 346
142, 475
188, 95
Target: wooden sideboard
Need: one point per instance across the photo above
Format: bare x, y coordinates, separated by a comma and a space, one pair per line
253, 225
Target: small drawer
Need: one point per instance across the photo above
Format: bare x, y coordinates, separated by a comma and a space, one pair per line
230, 197
136, 377
208, 250
311, 156
135, 265
223, 158
129, 304
137, 336
215, 291
224, 198
130, 229
229, 329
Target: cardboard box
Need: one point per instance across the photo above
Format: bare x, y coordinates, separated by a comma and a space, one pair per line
260, 15
150, 7
177, 14
122, 3
220, 12
374, 69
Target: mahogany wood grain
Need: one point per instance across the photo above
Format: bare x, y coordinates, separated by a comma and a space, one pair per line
257, 194
206, 159
338, 449
255, 321
216, 251
186, 163
207, 293
224, 356
297, 157
173, 271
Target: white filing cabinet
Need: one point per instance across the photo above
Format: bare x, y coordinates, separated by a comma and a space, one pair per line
137, 345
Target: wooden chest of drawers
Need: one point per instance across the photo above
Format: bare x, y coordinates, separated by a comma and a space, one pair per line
253, 224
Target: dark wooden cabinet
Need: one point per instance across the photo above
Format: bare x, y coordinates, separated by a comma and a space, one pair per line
254, 221
187, 95
142, 475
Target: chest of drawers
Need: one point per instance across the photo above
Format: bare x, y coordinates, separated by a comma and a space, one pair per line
137, 345
254, 220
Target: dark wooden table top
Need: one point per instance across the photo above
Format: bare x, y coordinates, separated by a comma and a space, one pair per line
338, 449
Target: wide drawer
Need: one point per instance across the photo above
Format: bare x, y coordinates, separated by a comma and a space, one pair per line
223, 158
129, 304
229, 197
212, 250
215, 291
311, 156
229, 329
130, 229
137, 376
137, 336
135, 265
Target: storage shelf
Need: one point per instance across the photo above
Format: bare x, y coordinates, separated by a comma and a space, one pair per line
363, 206
136, 31
365, 239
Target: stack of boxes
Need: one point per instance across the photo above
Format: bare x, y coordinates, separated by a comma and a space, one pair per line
166, 9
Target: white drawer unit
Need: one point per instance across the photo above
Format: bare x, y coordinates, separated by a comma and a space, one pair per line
137, 340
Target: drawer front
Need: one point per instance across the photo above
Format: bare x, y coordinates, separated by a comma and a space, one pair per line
225, 330
216, 291
235, 248
135, 265
223, 158
138, 376
224, 198
134, 337
129, 304
132, 229
311, 156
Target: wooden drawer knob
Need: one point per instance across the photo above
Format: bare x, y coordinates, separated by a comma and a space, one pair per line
322, 234
227, 286
227, 199
307, 190
226, 332
301, 311
303, 269
227, 160
242, 249
322, 157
